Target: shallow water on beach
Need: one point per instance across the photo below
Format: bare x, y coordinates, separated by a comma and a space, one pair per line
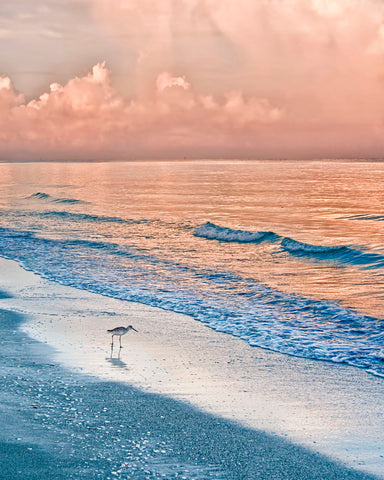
287, 255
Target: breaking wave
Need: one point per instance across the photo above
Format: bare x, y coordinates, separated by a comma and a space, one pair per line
223, 300
294, 246
213, 232
342, 254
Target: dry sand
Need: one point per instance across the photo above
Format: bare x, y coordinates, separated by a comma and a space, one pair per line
336, 410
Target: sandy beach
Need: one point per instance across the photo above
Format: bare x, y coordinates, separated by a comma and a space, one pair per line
179, 397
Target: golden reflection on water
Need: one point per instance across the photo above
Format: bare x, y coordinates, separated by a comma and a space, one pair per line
311, 202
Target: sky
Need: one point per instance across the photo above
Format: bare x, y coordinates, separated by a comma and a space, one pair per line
133, 79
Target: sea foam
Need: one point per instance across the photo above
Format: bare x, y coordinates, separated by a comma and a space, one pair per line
223, 300
214, 232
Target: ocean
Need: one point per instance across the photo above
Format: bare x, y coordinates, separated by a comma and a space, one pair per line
287, 255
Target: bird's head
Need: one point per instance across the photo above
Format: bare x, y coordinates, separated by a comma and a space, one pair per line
131, 328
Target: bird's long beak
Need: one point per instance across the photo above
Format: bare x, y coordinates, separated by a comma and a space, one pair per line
133, 329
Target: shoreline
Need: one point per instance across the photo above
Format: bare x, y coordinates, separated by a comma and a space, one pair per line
330, 409
60, 425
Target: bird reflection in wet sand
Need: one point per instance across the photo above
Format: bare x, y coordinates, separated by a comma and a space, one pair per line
116, 362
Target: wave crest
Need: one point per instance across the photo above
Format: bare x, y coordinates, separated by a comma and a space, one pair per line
224, 301
306, 248
40, 195
46, 196
214, 232
342, 254
366, 216
88, 218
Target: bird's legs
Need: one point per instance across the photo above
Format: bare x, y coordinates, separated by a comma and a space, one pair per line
120, 341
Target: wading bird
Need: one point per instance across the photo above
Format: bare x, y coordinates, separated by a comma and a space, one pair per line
120, 331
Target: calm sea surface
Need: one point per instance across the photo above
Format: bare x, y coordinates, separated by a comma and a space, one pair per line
287, 255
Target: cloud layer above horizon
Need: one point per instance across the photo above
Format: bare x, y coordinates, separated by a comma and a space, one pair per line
194, 78
88, 118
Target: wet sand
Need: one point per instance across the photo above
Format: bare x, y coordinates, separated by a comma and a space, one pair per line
178, 399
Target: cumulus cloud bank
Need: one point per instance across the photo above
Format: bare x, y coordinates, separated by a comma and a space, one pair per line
217, 78
89, 118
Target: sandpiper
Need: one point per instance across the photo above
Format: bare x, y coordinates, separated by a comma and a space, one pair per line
119, 331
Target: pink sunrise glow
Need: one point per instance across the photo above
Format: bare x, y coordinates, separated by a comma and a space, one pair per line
195, 78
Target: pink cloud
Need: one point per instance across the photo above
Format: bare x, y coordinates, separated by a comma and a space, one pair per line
311, 56
88, 118
166, 80
8, 97
280, 78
